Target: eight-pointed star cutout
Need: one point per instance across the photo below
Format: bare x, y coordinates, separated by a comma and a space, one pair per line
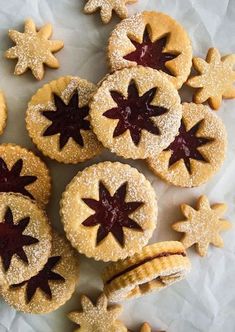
12, 239
135, 112
203, 225
12, 181
67, 120
33, 49
112, 213
151, 53
186, 144
41, 280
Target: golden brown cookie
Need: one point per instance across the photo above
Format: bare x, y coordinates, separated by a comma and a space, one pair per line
155, 40
25, 238
100, 317
24, 173
202, 225
33, 49
146, 328
109, 211
57, 120
197, 152
136, 111
107, 7
52, 286
215, 79
152, 269
3, 112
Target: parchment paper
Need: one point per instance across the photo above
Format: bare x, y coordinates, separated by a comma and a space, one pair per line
206, 300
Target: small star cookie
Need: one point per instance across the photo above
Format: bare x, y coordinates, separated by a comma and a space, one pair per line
215, 80
203, 225
33, 49
107, 7
99, 317
146, 328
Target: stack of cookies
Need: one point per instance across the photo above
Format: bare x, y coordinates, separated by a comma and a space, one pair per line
109, 210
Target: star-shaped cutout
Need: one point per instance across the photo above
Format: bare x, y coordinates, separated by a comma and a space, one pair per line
186, 144
203, 225
112, 213
67, 120
41, 280
215, 80
33, 49
12, 239
12, 181
150, 53
107, 7
99, 317
135, 112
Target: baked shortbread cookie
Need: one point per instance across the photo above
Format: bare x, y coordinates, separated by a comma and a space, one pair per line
3, 112
146, 328
109, 211
155, 267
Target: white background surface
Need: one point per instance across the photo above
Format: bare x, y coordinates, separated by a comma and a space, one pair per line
206, 300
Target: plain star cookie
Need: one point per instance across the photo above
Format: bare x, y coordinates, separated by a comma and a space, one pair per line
33, 49
155, 40
215, 79
155, 267
202, 225
107, 7
136, 112
21, 171
146, 328
197, 152
57, 120
3, 112
52, 286
25, 238
109, 211
100, 317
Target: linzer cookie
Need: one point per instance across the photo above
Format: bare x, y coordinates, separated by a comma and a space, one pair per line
24, 173
202, 225
197, 152
52, 286
97, 317
152, 269
155, 40
3, 112
136, 111
25, 238
57, 120
215, 79
109, 211
33, 49
107, 7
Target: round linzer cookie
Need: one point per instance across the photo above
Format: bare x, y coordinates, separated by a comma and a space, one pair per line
154, 40
197, 152
109, 211
134, 111
24, 173
57, 120
52, 286
25, 238
3, 112
154, 268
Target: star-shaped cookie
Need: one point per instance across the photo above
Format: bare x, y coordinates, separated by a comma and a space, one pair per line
99, 317
146, 328
33, 49
215, 80
202, 225
107, 7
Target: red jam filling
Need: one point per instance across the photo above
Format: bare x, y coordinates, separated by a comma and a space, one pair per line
41, 280
12, 181
134, 113
67, 120
111, 213
12, 239
151, 54
186, 144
